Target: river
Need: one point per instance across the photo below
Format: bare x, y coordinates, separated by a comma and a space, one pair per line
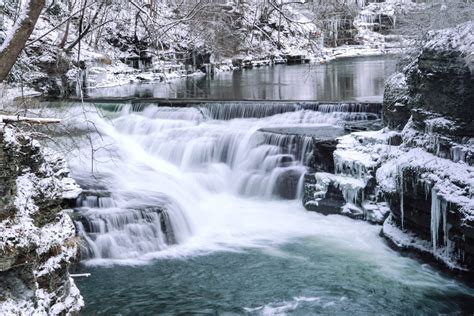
197, 210
347, 79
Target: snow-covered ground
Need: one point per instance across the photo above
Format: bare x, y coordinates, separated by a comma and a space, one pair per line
297, 31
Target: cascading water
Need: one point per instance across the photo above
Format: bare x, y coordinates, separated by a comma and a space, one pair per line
122, 230
161, 167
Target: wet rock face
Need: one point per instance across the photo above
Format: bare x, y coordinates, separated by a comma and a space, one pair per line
442, 82
447, 237
286, 185
322, 157
431, 201
396, 111
439, 79
322, 160
37, 239
332, 202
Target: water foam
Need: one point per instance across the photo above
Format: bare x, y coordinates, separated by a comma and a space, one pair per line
223, 179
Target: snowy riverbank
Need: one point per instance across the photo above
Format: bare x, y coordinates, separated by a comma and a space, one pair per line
422, 170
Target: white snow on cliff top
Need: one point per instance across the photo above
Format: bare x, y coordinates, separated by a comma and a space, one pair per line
340, 180
364, 148
454, 181
459, 38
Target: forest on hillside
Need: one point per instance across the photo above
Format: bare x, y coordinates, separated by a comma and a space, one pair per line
112, 37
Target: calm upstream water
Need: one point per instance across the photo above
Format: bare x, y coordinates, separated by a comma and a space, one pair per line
345, 79
198, 211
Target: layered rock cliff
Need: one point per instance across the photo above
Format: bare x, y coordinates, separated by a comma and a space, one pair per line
37, 238
416, 175
431, 187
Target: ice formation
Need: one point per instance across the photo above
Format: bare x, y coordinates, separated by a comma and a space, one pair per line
356, 158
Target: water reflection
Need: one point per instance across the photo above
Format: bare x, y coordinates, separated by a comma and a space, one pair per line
359, 78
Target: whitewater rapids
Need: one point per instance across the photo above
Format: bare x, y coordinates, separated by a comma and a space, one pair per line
221, 179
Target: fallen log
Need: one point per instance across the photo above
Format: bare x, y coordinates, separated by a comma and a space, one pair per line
32, 120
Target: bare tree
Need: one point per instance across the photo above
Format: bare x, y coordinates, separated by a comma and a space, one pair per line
16, 40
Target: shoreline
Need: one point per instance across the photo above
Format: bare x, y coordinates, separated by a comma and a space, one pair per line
330, 55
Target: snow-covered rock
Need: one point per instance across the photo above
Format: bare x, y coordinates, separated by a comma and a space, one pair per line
422, 175
37, 238
395, 101
429, 183
438, 79
351, 190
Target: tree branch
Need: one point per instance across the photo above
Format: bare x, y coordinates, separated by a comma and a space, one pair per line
32, 120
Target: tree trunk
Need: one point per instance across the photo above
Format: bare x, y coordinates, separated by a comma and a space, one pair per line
279, 32
22, 30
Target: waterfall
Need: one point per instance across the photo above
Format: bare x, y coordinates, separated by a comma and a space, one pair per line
159, 168
231, 110
122, 234
119, 230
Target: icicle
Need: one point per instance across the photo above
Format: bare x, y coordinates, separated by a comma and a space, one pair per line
439, 212
427, 187
458, 153
444, 213
402, 207
435, 218
349, 193
401, 192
